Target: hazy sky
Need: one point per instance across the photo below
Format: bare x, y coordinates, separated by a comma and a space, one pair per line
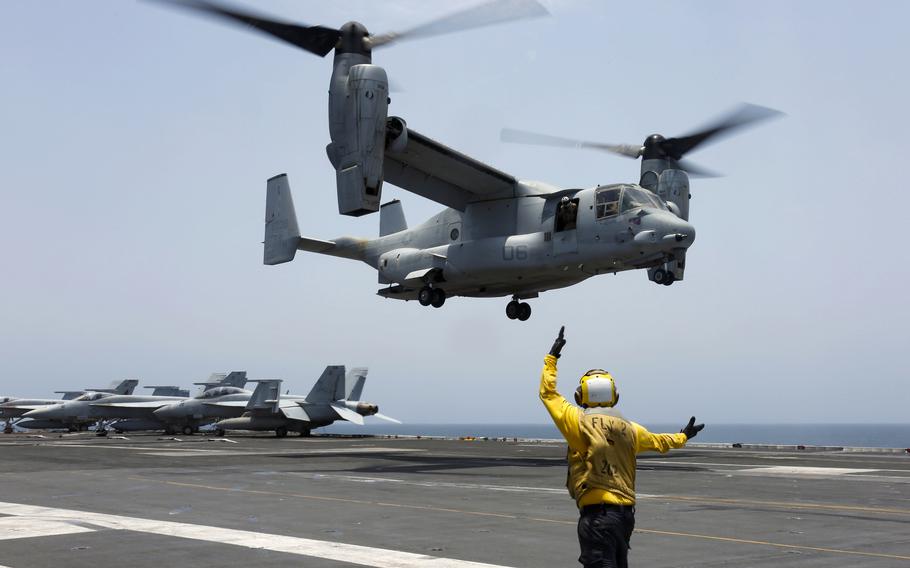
136, 142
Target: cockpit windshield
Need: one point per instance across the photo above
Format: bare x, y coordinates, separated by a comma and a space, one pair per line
220, 391
90, 396
633, 198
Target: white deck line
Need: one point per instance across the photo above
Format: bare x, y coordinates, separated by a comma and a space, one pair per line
340, 552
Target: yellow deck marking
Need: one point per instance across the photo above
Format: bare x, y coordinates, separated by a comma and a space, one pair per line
567, 522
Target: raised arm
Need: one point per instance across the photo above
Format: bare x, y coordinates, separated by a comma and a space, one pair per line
564, 414
647, 442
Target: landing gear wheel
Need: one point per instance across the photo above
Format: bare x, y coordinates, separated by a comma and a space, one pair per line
305, 433
438, 297
524, 311
219, 432
425, 296
169, 430
72, 429
188, 430
513, 309
660, 276
281, 432
118, 431
7, 429
669, 279
101, 433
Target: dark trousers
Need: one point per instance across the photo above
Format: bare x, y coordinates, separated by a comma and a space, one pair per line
603, 534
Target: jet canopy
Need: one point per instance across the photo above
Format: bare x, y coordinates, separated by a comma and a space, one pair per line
220, 391
90, 396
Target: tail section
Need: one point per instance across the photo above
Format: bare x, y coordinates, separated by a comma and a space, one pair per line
126, 386
330, 385
234, 379
266, 396
391, 218
168, 391
281, 233
354, 382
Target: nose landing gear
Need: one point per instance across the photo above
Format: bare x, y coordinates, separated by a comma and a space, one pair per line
664, 277
518, 310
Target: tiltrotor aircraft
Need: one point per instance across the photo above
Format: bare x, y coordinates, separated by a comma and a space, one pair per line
499, 236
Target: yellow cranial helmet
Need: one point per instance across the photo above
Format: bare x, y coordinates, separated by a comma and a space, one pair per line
596, 388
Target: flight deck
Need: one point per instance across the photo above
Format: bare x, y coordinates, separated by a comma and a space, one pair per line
148, 500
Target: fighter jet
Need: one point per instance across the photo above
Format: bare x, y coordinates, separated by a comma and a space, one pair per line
213, 404
17, 407
335, 396
136, 411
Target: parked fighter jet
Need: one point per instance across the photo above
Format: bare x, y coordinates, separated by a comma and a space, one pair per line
137, 411
18, 407
335, 396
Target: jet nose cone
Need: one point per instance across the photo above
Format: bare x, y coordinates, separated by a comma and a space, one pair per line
41, 413
165, 412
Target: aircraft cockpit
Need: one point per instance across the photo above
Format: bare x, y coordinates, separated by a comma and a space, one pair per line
90, 396
611, 200
220, 391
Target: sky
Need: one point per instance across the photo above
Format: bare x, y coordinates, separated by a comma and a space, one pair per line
135, 142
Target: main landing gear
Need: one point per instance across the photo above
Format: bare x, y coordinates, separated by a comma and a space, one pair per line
518, 310
664, 277
428, 296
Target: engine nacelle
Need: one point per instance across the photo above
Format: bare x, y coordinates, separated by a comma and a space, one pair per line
408, 265
673, 187
361, 408
359, 150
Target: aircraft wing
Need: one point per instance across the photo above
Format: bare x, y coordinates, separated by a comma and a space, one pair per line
26, 406
142, 404
228, 403
437, 172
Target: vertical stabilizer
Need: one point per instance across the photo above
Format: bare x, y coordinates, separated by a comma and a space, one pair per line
330, 385
234, 379
126, 386
354, 382
266, 396
281, 232
391, 218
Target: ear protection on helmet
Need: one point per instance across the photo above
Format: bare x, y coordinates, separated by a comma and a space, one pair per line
596, 388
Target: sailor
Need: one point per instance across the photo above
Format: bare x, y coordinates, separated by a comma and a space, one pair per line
602, 450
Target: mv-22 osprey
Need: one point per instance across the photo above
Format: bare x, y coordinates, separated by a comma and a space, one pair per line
499, 236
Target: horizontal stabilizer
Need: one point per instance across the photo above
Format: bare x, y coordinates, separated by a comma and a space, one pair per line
314, 245
347, 414
296, 413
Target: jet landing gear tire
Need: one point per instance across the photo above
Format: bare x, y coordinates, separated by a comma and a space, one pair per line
437, 298
670, 279
518, 310
425, 296
219, 432
188, 430
281, 432
664, 277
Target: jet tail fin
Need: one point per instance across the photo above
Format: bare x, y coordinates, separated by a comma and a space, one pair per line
266, 396
281, 232
69, 395
354, 382
168, 391
234, 379
330, 385
126, 386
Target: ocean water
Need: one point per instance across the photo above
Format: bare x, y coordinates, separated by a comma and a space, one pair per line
859, 435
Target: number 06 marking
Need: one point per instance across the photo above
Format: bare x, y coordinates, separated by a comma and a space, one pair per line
516, 252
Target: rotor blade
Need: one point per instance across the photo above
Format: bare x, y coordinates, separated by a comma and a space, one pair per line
486, 14
744, 115
315, 39
695, 170
525, 137
386, 418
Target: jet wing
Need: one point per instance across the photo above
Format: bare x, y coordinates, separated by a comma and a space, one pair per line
437, 172
228, 403
142, 404
295, 412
